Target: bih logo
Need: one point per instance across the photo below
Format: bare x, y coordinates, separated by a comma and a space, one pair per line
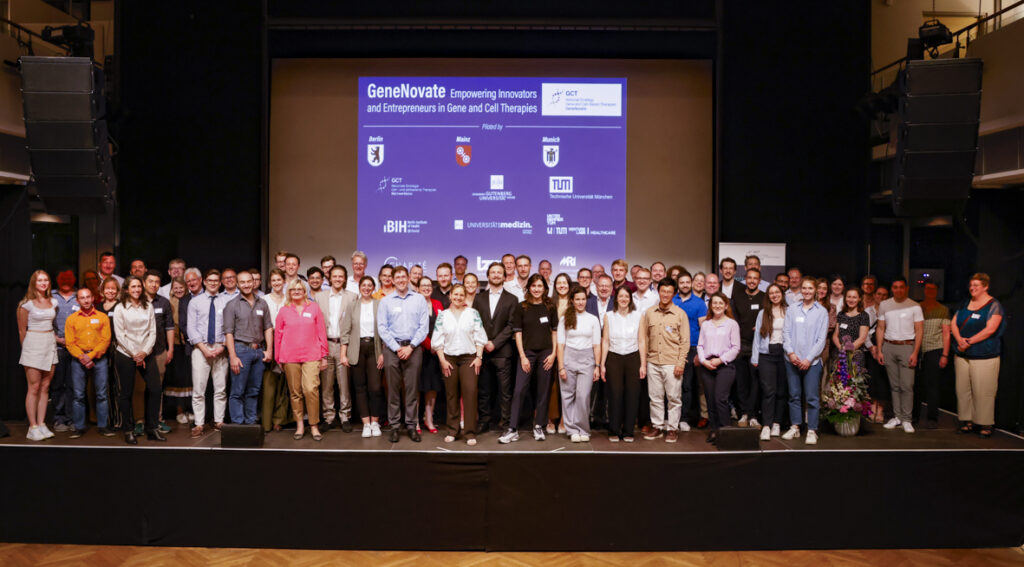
550, 155
463, 154
375, 154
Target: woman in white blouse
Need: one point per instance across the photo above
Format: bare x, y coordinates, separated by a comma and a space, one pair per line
768, 357
135, 329
579, 348
459, 340
38, 351
362, 353
620, 365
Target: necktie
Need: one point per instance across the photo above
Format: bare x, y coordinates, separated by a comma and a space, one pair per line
211, 327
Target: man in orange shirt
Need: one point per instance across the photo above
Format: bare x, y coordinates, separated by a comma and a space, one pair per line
87, 338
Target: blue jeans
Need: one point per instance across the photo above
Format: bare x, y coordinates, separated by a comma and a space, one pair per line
101, 371
807, 382
245, 386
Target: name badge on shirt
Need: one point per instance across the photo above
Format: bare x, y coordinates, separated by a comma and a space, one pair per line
307, 315
755, 307
543, 319
74, 308
904, 314
94, 321
259, 312
158, 310
669, 329
630, 330
799, 319
398, 309
842, 325
976, 316
220, 312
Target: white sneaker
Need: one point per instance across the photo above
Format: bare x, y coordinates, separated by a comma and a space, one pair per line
683, 426
509, 436
793, 431
766, 433
375, 429
584, 438
538, 433
812, 437
575, 438
908, 427
776, 430
34, 434
732, 413
367, 430
754, 423
892, 423
47, 434
182, 418
742, 422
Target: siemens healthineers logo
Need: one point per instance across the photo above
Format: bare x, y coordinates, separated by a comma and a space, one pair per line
560, 184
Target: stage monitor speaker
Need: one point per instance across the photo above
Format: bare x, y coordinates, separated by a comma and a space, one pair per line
67, 134
241, 436
739, 439
937, 135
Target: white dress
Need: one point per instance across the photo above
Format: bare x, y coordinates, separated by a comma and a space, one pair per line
40, 347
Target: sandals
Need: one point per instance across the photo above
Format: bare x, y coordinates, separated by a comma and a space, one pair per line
968, 427
985, 431
317, 436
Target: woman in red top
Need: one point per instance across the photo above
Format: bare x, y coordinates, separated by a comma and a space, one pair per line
300, 342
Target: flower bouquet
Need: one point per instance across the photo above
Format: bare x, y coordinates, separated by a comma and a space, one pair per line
845, 398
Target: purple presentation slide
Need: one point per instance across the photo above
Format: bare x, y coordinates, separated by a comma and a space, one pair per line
483, 166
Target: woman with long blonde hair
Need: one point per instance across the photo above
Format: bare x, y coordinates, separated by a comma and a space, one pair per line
36, 314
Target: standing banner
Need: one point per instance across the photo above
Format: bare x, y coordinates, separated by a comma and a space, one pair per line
772, 255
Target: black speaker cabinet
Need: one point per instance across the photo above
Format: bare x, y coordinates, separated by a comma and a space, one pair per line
67, 134
739, 439
937, 135
241, 436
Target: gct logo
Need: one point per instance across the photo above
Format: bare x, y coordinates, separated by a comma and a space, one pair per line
560, 184
393, 226
568, 261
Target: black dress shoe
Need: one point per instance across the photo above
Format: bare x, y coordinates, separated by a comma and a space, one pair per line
484, 428
324, 426
155, 435
395, 433
346, 426
712, 437
414, 435
129, 438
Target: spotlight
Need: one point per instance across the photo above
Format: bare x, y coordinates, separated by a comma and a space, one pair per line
934, 33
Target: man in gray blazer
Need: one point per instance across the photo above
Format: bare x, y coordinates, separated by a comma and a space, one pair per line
334, 303
362, 351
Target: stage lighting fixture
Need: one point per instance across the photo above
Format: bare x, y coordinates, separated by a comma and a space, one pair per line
78, 38
934, 33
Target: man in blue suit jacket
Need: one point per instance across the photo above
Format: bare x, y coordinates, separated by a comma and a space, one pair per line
603, 299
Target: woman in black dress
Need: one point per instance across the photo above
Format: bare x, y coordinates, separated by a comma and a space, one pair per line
431, 380
851, 331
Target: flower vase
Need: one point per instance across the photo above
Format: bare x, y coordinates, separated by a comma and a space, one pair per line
848, 427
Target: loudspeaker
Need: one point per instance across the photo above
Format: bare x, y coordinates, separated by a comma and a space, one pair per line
241, 436
67, 134
937, 135
739, 439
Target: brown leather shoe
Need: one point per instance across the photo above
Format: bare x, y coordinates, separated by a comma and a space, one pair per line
652, 433
197, 431
218, 426
671, 437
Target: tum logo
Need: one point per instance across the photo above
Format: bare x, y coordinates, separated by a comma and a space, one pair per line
568, 261
393, 226
558, 184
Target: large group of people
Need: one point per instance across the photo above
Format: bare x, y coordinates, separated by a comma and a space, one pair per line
649, 352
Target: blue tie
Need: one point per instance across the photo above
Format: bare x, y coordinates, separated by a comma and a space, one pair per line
211, 327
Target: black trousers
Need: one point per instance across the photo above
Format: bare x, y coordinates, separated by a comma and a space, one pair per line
927, 385
366, 383
689, 385
747, 386
643, 415
622, 375
495, 392
717, 385
125, 368
771, 370
542, 387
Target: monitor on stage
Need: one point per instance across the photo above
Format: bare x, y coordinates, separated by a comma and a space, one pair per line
578, 162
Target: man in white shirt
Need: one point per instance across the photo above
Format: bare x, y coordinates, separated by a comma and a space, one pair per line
291, 272
229, 277
108, 263
509, 261
209, 357
175, 269
326, 263
795, 279
461, 263
658, 273
727, 267
334, 303
599, 303
517, 285
359, 262
899, 333
711, 286
643, 297
544, 269
585, 278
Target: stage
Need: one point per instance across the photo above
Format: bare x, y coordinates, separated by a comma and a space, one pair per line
881, 489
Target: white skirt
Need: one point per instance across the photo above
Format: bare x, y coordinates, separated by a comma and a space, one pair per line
39, 351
